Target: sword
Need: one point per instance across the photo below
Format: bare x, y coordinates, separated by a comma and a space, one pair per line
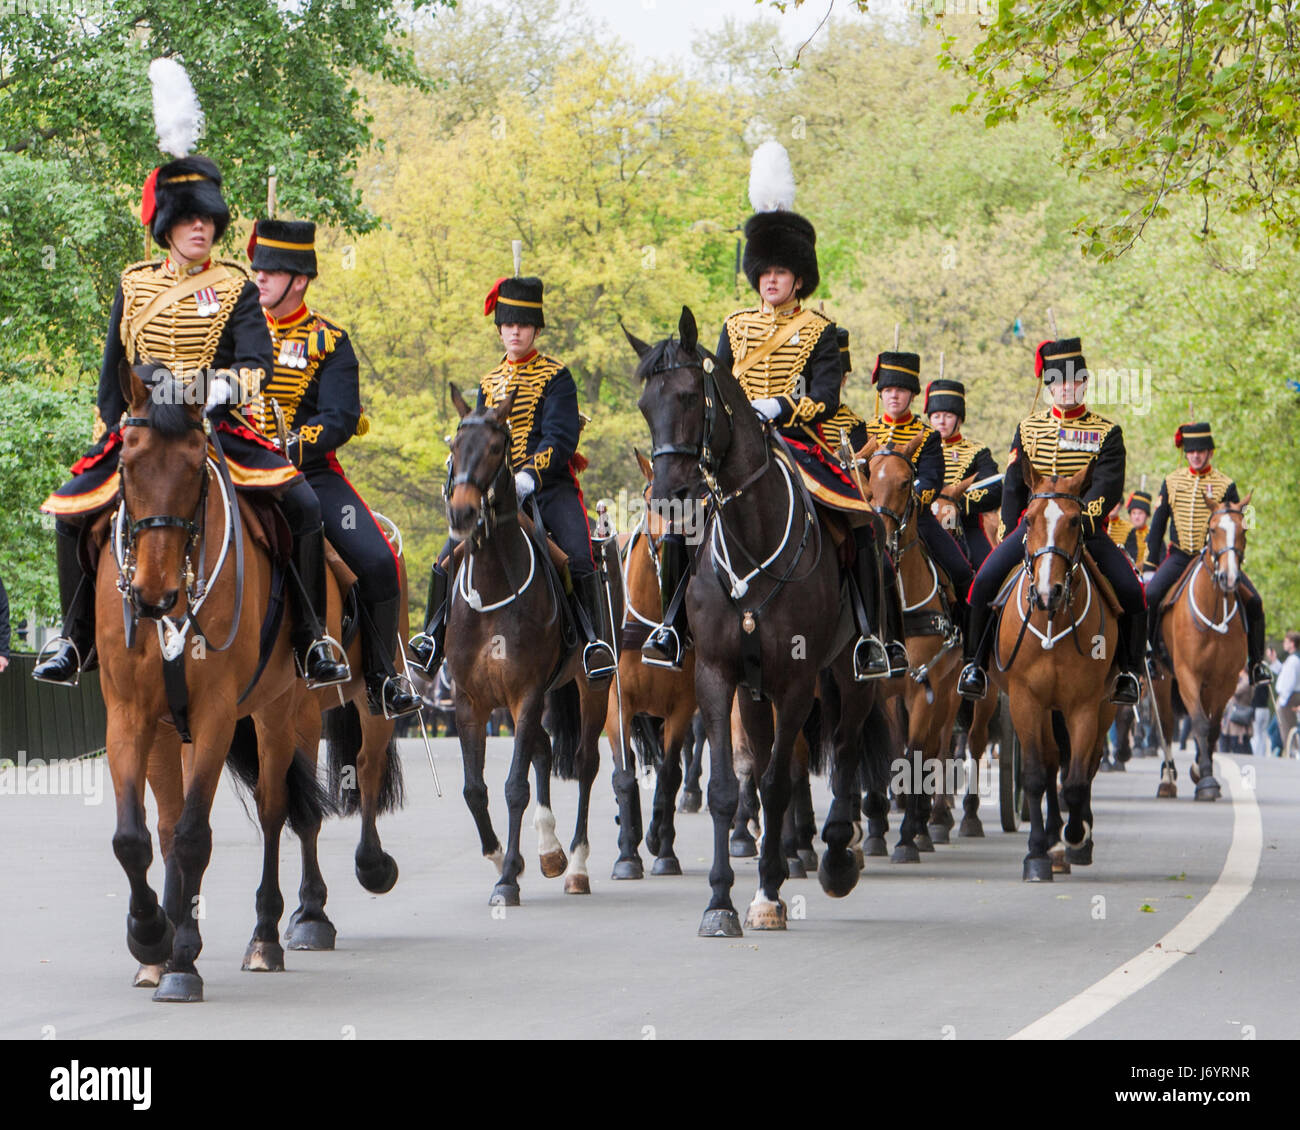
424, 732
987, 482
1160, 722
617, 747
281, 430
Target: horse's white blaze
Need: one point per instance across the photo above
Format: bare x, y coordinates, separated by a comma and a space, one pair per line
578, 861
544, 822
1054, 515
1229, 528
496, 858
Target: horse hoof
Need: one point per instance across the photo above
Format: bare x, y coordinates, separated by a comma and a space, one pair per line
1207, 788
875, 845
906, 853
554, 863
899, 804
179, 988
1166, 790
939, 833
837, 881
797, 870
808, 858
691, 801
720, 924
1038, 869
944, 819
312, 934
923, 841
972, 828
1105, 766
381, 878
147, 952
742, 849
1081, 855
504, 894
263, 957
860, 858
666, 865
575, 885
628, 868
147, 977
1060, 864
765, 916
1119, 767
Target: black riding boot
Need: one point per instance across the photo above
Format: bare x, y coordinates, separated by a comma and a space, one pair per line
973, 683
1132, 647
427, 647
388, 692
1260, 675
320, 658
598, 659
74, 649
870, 660
667, 643
891, 605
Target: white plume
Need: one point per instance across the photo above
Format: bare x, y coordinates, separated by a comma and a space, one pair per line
771, 179
177, 115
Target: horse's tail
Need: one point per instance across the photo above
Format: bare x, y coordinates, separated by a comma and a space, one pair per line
647, 737
343, 739
819, 750
308, 803
876, 749
564, 711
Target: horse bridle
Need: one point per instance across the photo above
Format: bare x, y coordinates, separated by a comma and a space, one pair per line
1072, 560
904, 520
487, 491
1240, 551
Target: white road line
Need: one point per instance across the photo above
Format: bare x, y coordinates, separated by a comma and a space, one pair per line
1229, 890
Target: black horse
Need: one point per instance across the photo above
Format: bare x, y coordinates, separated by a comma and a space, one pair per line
767, 610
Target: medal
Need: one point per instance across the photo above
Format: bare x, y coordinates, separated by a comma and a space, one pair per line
206, 302
293, 354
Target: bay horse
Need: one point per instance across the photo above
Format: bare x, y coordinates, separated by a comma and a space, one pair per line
767, 611
1058, 683
1205, 635
506, 647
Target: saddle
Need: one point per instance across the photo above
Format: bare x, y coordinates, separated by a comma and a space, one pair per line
1099, 581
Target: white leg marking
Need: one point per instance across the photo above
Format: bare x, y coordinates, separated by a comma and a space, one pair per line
578, 862
496, 858
544, 822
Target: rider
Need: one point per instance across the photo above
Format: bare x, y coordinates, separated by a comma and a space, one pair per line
787, 360
897, 377
200, 318
945, 406
316, 387
1061, 440
544, 428
1130, 533
1185, 509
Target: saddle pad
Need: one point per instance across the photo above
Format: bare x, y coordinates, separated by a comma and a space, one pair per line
1171, 597
266, 525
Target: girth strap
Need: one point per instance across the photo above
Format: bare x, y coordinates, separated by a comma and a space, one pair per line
178, 694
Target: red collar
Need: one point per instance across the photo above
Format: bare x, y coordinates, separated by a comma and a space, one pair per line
895, 423
195, 269
285, 323
1070, 413
522, 360
1202, 472
954, 438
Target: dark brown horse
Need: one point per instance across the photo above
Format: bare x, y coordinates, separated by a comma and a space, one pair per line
506, 647
1206, 640
767, 611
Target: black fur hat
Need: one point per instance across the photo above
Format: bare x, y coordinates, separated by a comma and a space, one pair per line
517, 301
188, 186
283, 245
781, 239
897, 370
946, 396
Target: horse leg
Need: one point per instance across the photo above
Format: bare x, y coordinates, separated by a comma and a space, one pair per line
1206, 732
1086, 733
164, 774
529, 734
805, 820
662, 823
550, 852
767, 911
971, 826
275, 758
309, 928
744, 832
627, 794
692, 797
909, 790
714, 693
594, 702
875, 807
471, 730
1038, 777
844, 706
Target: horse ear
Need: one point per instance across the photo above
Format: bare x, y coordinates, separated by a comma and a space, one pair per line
133, 388
647, 468
688, 331
868, 449
640, 346
912, 445
501, 413
1246, 501
458, 400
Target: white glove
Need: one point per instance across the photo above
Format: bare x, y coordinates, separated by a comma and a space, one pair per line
524, 485
767, 407
221, 392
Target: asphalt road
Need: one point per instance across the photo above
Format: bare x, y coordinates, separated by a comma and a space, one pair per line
956, 946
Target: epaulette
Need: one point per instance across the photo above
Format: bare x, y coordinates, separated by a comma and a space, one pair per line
322, 335
141, 265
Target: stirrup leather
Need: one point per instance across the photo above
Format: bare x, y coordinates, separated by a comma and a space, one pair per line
51, 647
335, 654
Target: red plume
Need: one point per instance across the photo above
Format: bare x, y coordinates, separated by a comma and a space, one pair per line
147, 203
252, 241
1038, 359
875, 373
1178, 437
490, 303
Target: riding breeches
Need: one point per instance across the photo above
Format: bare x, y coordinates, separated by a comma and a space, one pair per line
944, 549
566, 521
353, 531
978, 545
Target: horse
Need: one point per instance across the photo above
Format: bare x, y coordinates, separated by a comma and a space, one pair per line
1206, 640
506, 647
1058, 684
641, 696
781, 627
195, 551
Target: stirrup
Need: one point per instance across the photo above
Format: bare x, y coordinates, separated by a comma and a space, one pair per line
1261, 675
973, 683
663, 649
337, 656
416, 644
595, 665
1128, 691
898, 661
394, 684
870, 660
52, 647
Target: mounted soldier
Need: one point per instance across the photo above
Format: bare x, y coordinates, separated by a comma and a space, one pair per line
945, 407
787, 360
199, 319
544, 429
314, 391
1189, 497
1061, 440
1130, 532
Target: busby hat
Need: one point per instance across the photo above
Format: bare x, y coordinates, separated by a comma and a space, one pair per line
897, 370
1139, 500
283, 245
842, 340
517, 301
946, 396
1056, 360
1194, 437
775, 236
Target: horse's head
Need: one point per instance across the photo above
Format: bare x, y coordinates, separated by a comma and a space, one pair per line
688, 423
1054, 536
890, 475
1225, 542
164, 484
655, 525
481, 484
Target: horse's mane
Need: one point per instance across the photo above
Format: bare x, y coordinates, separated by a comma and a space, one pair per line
167, 408
661, 352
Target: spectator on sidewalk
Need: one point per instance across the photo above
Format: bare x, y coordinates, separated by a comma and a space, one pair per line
1288, 688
